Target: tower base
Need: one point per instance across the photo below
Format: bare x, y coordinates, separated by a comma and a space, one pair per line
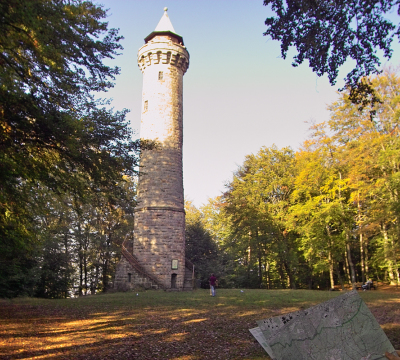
130, 276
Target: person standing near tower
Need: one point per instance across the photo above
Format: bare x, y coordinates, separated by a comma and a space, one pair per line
213, 283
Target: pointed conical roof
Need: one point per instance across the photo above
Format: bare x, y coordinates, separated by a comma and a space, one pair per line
164, 27
165, 23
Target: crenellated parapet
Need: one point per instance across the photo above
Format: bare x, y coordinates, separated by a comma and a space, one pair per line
163, 52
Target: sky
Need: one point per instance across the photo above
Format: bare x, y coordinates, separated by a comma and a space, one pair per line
239, 94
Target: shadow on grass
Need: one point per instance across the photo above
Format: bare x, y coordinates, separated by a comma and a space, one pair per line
156, 325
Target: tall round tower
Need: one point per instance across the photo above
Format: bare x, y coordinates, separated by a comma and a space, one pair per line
159, 239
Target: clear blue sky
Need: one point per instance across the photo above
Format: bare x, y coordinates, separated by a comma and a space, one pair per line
239, 94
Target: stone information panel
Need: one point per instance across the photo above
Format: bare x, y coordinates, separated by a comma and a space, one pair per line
342, 328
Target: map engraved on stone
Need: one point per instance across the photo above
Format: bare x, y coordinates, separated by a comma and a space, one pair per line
342, 328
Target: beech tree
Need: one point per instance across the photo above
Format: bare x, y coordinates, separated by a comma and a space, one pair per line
327, 33
256, 204
201, 248
79, 241
320, 209
371, 151
53, 131
324, 215
51, 63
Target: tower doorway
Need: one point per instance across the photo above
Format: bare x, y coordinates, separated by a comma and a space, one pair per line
173, 281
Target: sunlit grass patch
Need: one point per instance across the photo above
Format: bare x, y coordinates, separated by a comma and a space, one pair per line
160, 325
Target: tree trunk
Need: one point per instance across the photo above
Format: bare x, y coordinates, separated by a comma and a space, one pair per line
388, 260
66, 272
248, 263
259, 255
106, 264
366, 259
85, 271
362, 259
395, 266
105, 277
267, 274
80, 260
292, 283
96, 283
363, 274
260, 274
346, 266
330, 258
311, 278
339, 276
281, 275
331, 269
80, 272
351, 265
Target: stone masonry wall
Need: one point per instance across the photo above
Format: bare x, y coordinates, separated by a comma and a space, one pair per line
159, 239
127, 278
159, 217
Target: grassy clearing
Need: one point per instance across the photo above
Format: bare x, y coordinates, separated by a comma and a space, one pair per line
161, 325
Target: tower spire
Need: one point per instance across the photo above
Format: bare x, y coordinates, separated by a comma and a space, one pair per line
165, 23
165, 28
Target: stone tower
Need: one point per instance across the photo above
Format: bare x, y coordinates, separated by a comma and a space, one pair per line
159, 238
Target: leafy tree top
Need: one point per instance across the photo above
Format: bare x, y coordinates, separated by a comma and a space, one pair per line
330, 32
51, 57
53, 50
53, 132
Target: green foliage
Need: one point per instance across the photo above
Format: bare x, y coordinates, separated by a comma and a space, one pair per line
325, 215
55, 271
54, 135
51, 62
256, 205
328, 33
201, 248
81, 240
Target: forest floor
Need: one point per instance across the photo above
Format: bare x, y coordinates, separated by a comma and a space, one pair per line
163, 325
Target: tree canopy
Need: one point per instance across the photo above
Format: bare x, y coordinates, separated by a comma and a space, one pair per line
327, 33
325, 215
55, 134
51, 64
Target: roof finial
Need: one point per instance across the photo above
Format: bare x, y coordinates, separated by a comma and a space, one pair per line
165, 23
164, 26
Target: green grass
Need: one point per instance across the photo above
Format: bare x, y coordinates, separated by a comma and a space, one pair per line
161, 325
